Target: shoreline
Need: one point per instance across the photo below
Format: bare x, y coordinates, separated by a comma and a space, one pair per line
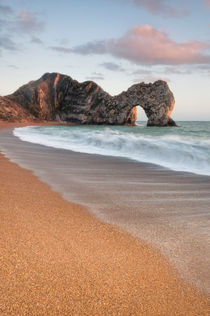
169, 149
69, 261
168, 210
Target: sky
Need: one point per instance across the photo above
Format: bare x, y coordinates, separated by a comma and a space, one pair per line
115, 43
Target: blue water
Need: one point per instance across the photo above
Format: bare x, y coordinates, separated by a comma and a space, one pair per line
182, 148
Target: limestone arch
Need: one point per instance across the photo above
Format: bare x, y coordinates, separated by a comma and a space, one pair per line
155, 99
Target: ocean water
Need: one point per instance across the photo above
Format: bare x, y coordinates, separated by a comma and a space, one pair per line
182, 148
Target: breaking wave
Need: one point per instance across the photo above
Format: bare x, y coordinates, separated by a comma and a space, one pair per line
186, 148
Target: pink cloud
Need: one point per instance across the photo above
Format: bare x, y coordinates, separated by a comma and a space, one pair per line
28, 22
146, 45
208, 2
161, 7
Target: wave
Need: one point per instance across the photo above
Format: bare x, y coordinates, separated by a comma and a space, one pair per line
173, 151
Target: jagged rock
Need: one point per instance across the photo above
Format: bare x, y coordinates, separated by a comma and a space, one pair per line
11, 111
60, 98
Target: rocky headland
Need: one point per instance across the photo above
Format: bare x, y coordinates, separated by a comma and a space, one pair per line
57, 97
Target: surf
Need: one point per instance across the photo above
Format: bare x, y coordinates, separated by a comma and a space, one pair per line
186, 148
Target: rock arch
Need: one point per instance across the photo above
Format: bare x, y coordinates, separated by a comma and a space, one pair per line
58, 97
156, 100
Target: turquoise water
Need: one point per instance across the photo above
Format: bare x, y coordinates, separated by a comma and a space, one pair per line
182, 148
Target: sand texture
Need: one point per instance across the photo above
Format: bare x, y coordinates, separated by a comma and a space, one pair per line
57, 259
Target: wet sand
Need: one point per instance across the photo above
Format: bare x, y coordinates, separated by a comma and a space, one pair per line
57, 259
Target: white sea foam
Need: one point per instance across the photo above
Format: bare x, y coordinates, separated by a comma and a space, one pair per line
181, 149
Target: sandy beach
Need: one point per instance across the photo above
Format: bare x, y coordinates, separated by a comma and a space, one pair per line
58, 258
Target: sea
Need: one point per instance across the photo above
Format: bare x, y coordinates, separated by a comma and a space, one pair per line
182, 148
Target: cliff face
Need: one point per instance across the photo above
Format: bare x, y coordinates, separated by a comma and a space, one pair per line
60, 98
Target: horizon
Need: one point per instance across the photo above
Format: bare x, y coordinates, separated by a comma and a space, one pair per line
159, 40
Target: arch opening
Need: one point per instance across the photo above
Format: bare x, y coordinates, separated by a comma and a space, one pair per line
141, 115
135, 114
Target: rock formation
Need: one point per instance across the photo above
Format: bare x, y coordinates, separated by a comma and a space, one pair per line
60, 98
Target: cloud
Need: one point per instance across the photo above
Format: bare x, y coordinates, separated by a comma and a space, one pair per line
5, 9
97, 47
112, 66
89, 48
1, 23
165, 72
151, 78
177, 71
12, 67
208, 2
61, 49
14, 25
160, 7
28, 22
22, 22
36, 40
96, 76
7, 44
146, 45
141, 72
205, 69
150, 75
